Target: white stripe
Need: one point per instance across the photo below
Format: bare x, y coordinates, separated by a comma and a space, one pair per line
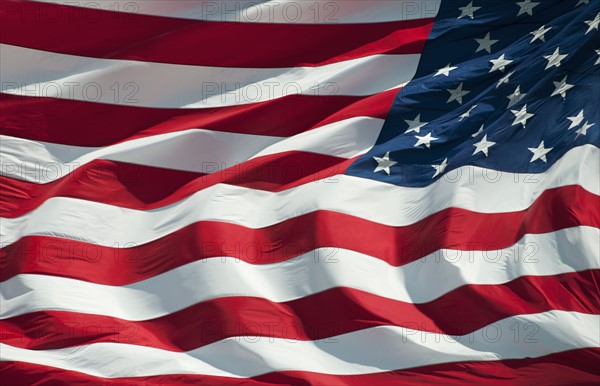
371, 350
469, 188
32, 72
196, 150
274, 11
569, 250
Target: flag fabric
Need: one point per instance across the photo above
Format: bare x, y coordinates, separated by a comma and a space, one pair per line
300, 192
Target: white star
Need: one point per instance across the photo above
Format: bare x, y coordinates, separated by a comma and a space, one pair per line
457, 94
478, 132
561, 88
515, 97
526, 7
539, 152
576, 120
439, 169
467, 113
504, 79
582, 2
500, 63
593, 24
467, 10
486, 43
445, 70
583, 129
483, 146
425, 140
384, 163
539, 34
597, 60
521, 116
554, 59
415, 124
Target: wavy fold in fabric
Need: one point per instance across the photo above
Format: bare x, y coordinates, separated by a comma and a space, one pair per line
300, 192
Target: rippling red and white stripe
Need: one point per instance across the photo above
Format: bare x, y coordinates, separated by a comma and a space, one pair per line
175, 210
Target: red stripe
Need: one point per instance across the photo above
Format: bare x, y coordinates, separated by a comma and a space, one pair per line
455, 228
320, 316
573, 367
134, 186
106, 34
78, 123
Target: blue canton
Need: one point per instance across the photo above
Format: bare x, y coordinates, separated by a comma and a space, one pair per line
504, 85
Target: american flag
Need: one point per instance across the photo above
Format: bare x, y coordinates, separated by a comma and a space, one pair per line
300, 192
